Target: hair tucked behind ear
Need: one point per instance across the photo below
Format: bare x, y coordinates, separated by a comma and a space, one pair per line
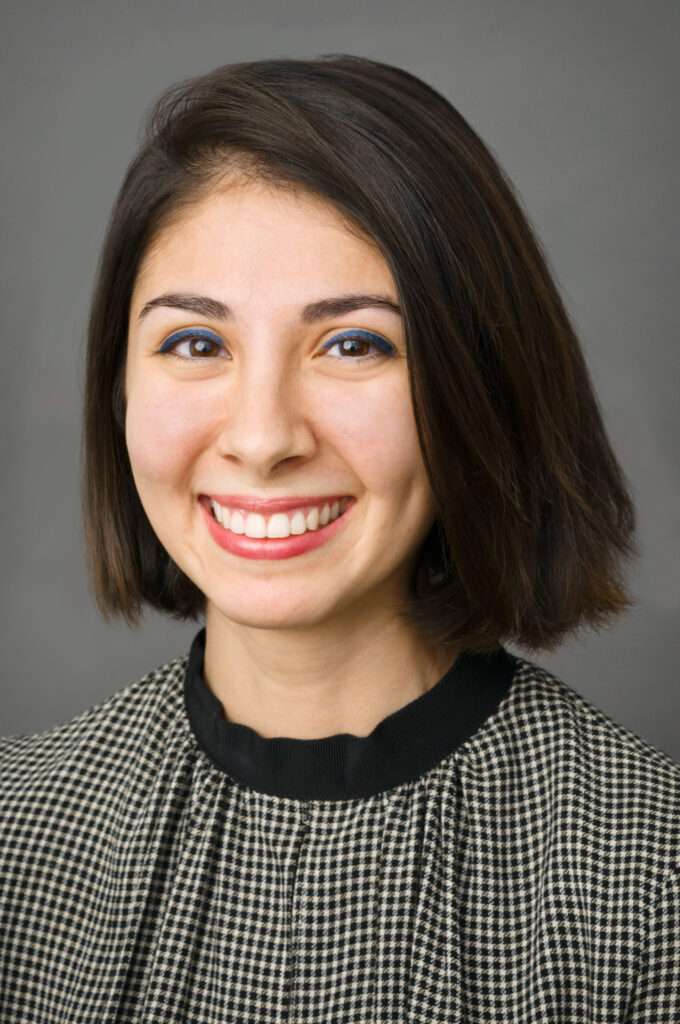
535, 518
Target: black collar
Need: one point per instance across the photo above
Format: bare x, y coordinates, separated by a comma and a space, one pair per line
401, 748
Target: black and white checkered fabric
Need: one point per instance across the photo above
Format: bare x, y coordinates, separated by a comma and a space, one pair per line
528, 875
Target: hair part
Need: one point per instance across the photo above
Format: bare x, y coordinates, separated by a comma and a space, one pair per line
535, 518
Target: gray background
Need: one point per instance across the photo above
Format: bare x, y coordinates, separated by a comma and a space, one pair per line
577, 100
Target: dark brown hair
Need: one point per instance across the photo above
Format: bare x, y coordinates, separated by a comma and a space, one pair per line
534, 513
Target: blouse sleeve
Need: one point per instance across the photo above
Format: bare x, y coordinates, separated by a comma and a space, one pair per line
656, 998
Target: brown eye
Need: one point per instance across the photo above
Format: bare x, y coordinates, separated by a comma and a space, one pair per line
354, 346
196, 344
359, 346
200, 346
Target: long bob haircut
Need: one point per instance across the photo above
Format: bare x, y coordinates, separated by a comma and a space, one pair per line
534, 514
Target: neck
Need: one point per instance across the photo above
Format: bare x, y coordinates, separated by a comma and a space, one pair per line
343, 676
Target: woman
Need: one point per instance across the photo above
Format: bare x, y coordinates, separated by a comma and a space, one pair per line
335, 408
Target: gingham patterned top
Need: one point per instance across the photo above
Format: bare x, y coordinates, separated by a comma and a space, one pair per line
498, 850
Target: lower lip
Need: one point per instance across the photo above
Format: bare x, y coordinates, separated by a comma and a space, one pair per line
274, 547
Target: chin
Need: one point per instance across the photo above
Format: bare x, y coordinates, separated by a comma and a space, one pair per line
278, 611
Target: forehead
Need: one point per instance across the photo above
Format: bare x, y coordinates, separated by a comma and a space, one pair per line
252, 236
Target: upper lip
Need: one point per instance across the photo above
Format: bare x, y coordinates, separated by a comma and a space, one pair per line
268, 505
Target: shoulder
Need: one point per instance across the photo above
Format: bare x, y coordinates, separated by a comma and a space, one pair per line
573, 768
558, 716
114, 737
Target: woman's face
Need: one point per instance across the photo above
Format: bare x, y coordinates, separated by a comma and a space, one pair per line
233, 391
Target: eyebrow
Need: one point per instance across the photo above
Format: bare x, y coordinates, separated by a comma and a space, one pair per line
336, 306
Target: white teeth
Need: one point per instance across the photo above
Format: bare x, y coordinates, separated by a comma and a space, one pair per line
237, 523
278, 525
256, 525
298, 523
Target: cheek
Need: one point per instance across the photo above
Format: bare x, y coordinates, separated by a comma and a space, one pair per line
164, 433
378, 436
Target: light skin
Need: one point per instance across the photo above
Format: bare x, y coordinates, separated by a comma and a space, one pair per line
307, 646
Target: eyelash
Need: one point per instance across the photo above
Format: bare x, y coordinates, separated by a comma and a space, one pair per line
385, 349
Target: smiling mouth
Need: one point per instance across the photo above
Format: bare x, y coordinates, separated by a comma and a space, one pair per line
279, 525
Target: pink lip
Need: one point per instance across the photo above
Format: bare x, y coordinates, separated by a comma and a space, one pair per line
272, 548
268, 506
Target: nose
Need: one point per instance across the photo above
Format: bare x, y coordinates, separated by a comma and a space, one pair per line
265, 421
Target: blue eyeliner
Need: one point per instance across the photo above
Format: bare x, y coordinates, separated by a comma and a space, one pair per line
383, 345
188, 332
